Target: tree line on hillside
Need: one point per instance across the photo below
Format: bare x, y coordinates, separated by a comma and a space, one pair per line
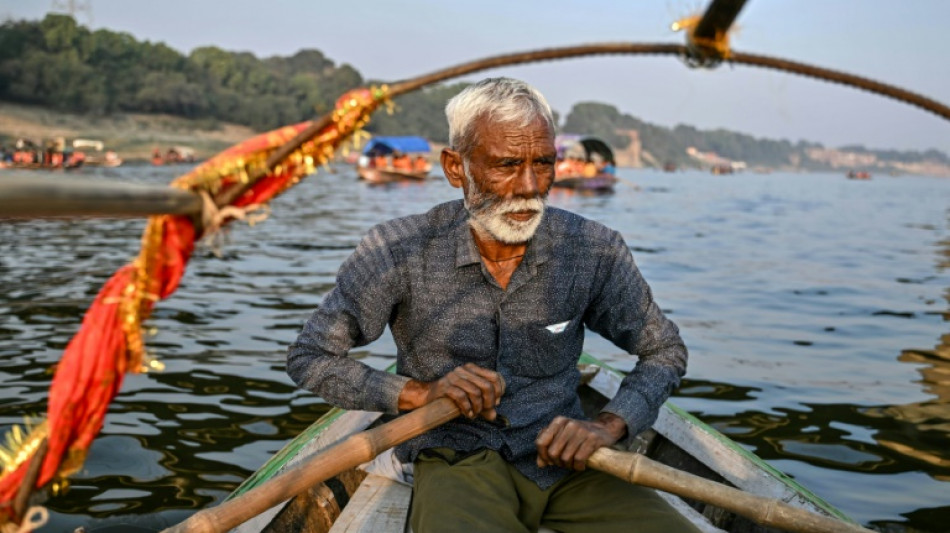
60, 64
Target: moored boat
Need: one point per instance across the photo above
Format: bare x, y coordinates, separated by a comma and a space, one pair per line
359, 501
175, 155
584, 163
385, 175
93, 153
859, 175
390, 159
598, 183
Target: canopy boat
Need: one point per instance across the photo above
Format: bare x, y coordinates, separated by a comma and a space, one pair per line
175, 155
51, 155
584, 163
388, 159
93, 153
357, 501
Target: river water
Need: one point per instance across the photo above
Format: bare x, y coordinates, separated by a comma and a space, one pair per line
815, 308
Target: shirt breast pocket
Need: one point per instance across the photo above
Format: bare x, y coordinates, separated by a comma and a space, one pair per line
549, 347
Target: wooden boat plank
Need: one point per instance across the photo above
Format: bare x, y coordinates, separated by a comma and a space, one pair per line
314, 511
380, 505
694, 516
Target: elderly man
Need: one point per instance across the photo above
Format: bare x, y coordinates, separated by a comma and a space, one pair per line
488, 299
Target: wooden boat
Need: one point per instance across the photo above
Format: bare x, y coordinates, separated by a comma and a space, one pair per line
93, 153
574, 153
859, 175
598, 183
175, 155
722, 169
388, 175
391, 148
356, 501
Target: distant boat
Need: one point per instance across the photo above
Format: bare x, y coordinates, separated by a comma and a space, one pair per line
175, 155
722, 169
389, 159
54, 155
859, 175
584, 163
93, 153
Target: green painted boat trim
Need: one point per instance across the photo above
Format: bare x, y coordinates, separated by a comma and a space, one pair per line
275, 463
726, 441
289, 451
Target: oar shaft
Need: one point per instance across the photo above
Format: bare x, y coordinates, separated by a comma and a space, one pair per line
38, 196
350, 453
641, 470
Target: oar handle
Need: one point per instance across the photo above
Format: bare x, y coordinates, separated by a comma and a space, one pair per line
350, 453
639, 469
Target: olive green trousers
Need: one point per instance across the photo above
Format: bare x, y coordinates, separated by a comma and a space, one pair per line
482, 492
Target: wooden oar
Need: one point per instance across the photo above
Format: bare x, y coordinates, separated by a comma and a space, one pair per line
32, 196
349, 453
772, 512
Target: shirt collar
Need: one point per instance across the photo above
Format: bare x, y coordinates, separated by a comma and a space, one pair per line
466, 252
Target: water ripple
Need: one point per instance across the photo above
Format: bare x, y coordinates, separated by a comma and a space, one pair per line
815, 309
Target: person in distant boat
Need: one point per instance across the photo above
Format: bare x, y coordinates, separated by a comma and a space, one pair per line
488, 299
421, 164
577, 166
590, 169
380, 161
562, 168
402, 162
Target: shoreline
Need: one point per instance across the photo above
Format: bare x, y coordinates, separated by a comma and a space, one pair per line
133, 136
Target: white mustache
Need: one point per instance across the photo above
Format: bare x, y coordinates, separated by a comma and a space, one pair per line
519, 204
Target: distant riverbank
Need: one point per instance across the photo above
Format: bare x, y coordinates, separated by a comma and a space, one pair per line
133, 136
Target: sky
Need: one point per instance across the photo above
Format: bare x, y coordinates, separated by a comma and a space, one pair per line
900, 43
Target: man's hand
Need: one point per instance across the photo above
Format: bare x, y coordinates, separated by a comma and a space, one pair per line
569, 443
475, 390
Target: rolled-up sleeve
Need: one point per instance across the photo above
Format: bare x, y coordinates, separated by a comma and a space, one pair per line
624, 312
368, 287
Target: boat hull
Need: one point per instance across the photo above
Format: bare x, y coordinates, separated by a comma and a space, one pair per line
601, 182
377, 504
379, 175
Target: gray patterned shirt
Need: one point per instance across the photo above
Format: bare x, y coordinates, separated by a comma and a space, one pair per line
422, 276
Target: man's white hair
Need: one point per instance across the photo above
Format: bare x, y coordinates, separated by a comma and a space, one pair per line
501, 99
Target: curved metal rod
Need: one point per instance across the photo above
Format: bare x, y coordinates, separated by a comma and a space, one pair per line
548, 54
835, 76
794, 67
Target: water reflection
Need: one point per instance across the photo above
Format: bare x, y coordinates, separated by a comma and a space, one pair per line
902, 441
921, 432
